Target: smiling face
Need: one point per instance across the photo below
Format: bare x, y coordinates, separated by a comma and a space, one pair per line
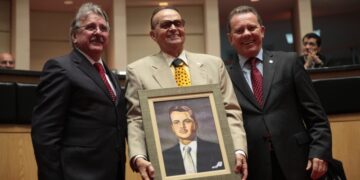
92, 36
169, 31
183, 126
246, 34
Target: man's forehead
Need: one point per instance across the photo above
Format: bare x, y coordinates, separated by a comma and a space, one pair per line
310, 39
167, 14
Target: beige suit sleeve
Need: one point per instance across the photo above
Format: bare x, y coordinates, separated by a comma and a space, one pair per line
136, 134
233, 110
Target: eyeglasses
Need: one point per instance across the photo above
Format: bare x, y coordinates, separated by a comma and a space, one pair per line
167, 24
93, 27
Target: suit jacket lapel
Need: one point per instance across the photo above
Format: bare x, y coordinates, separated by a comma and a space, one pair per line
268, 73
197, 71
240, 82
85, 66
162, 73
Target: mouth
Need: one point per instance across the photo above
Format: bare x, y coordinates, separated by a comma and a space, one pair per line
97, 40
248, 42
173, 36
182, 131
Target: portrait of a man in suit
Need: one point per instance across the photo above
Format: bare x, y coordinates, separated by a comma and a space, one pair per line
191, 154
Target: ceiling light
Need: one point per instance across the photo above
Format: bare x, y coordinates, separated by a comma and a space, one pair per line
68, 2
163, 3
254, 0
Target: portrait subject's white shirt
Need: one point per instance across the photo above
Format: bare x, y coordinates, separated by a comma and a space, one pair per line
193, 146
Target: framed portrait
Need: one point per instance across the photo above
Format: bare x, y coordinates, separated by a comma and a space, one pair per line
188, 122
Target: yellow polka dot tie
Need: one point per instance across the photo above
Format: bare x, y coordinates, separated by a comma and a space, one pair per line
181, 76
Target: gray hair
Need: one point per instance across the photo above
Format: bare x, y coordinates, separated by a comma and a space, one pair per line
83, 12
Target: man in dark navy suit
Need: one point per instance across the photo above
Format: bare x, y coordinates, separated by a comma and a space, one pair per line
78, 125
288, 132
202, 155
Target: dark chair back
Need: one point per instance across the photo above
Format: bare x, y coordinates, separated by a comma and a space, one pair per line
7, 102
339, 95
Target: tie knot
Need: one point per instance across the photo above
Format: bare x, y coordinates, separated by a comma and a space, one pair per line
187, 148
99, 67
178, 62
252, 61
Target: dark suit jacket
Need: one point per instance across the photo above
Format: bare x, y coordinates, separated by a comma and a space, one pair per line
292, 117
208, 155
77, 131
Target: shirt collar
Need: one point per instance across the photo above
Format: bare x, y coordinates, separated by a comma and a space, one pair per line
192, 144
90, 59
169, 58
242, 59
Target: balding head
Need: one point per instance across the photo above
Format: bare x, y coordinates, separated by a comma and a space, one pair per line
7, 61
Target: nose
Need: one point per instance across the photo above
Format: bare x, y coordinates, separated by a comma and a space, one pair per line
172, 26
97, 30
246, 31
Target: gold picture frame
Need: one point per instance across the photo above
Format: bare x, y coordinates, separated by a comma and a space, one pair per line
206, 101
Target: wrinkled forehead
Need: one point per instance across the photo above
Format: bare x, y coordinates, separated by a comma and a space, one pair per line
166, 14
91, 18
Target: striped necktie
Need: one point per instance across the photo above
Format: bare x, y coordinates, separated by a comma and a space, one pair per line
256, 81
101, 72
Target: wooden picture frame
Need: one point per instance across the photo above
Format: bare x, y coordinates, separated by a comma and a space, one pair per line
207, 106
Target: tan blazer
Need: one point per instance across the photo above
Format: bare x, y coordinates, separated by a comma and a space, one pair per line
153, 72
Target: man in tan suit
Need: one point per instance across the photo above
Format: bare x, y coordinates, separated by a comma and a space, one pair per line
156, 71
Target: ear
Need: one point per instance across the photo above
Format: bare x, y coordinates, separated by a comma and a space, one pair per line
262, 31
73, 38
153, 35
229, 37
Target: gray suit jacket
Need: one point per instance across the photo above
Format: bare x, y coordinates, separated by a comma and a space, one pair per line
292, 117
77, 131
153, 72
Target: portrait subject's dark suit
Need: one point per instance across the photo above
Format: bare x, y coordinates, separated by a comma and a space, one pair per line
208, 158
78, 132
292, 118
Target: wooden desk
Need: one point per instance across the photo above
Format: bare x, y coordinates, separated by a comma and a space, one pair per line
334, 72
17, 159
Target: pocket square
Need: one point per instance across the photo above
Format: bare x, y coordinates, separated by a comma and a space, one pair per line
218, 164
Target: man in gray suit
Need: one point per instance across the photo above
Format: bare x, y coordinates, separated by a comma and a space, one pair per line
287, 129
79, 125
156, 72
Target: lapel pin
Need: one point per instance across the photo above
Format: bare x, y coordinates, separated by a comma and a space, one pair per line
271, 61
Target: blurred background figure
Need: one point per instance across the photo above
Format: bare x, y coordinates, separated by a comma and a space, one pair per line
7, 61
311, 48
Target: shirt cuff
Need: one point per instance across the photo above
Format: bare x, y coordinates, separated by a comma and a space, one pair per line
133, 161
241, 152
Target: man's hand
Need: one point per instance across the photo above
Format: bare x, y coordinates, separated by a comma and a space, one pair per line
241, 165
318, 167
145, 168
312, 58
